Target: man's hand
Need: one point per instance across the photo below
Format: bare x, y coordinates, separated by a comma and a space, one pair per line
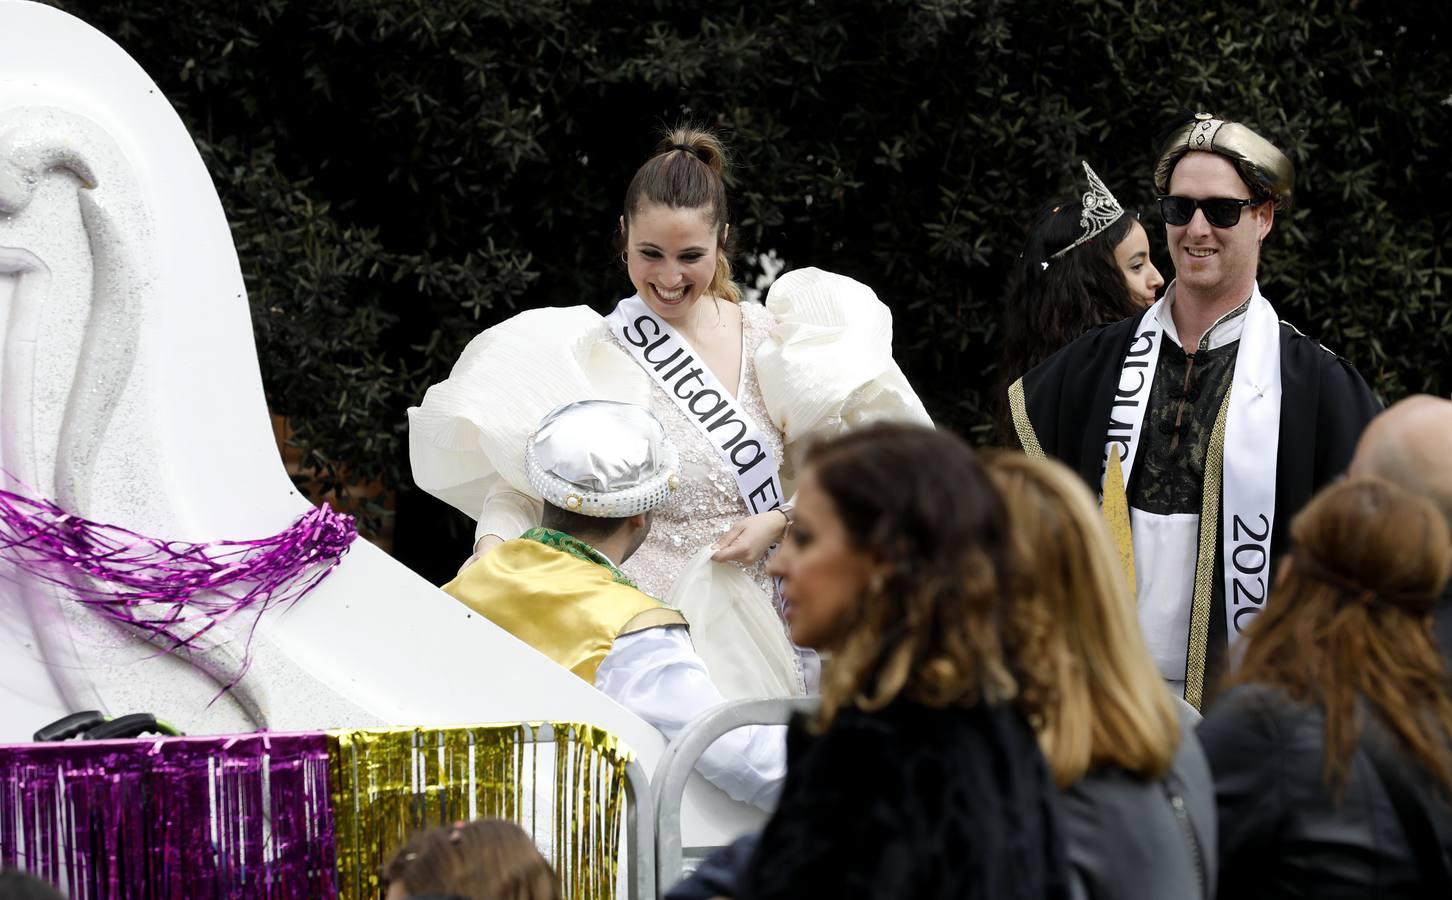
749, 539
481, 548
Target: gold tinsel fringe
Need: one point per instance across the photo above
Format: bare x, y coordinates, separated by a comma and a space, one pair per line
388, 783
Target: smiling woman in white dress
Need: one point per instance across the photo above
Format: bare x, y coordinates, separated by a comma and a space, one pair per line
738, 385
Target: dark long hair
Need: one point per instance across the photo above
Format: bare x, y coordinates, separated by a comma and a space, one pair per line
1350, 621
1046, 308
917, 499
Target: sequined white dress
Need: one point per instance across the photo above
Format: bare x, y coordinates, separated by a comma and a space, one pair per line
708, 501
816, 360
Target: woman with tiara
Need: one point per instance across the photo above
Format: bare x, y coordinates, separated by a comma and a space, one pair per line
739, 386
1084, 264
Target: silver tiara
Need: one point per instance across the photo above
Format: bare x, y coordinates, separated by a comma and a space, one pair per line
1100, 211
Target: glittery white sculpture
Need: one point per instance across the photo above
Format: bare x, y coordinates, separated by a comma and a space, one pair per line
130, 393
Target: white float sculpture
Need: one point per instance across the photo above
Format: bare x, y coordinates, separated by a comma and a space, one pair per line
130, 393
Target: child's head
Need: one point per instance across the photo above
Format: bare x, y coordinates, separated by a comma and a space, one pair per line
16, 885
487, 859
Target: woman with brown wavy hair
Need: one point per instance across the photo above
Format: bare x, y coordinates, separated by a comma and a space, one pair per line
1138, 802
1332, 750
918, 778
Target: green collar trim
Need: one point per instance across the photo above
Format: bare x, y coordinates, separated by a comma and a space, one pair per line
576, 548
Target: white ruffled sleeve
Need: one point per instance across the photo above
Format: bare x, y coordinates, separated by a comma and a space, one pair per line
827, 366
466, 440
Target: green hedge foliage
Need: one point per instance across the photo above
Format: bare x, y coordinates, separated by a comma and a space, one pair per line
400, 174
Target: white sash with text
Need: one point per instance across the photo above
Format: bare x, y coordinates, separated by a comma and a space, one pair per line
670, 361
1132, 393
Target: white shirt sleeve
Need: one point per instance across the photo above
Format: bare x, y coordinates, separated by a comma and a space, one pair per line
507, 513
657, 675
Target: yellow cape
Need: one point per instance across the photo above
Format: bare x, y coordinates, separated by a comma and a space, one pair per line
567, 608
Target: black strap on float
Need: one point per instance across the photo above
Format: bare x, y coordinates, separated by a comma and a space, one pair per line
94, 725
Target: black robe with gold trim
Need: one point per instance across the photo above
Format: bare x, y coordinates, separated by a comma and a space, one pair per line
1061, 409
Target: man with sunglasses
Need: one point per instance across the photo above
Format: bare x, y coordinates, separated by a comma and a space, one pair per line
1206, 422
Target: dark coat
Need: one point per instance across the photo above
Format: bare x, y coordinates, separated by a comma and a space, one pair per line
1442, 626
1325, 405
1127, 841
913, 802
1283, 832
718, 873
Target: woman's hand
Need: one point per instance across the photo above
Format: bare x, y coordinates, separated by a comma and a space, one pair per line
749, 539
481, 549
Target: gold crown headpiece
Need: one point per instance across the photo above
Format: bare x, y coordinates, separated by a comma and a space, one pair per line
1263, 168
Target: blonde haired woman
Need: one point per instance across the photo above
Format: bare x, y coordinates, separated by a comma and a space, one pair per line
1138, 800
738, 385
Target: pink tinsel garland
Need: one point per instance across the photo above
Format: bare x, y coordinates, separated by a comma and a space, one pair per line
172, 590
245, 816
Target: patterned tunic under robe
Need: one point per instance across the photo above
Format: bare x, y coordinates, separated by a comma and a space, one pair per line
1167, 491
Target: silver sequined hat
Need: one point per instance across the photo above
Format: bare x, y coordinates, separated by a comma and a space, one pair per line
602, 458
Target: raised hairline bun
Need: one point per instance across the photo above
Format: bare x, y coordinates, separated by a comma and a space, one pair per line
702, 144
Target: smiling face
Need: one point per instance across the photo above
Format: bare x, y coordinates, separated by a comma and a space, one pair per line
671, 256
1215, 265
824, 575
1132, 257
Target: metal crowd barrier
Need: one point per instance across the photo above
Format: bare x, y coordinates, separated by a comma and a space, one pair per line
680, 757
640, 832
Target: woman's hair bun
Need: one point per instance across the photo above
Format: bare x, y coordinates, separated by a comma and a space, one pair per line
703, 145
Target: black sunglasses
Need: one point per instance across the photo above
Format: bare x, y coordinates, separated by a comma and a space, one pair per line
1222, 212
